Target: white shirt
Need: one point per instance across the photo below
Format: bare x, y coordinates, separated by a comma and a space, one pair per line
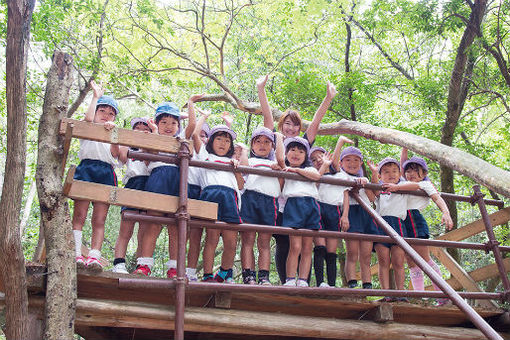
362, 193
135, 168
262, 184
293, 188
392, 204
420, 202
194, 173
330, 193
154, 165
96, 150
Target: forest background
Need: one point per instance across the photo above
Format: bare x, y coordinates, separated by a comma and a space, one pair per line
392, 63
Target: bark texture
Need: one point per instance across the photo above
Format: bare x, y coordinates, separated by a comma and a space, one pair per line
55, 218
12, 261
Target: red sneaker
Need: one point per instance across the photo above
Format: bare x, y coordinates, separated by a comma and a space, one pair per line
142, 270
171, 273
80, 262
94, 264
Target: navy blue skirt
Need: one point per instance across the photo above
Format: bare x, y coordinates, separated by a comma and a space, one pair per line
330, 216
360, 221
226, 198
96, 171
136, 183
396, 224
415, 224
164, 180
258, 208
302, 213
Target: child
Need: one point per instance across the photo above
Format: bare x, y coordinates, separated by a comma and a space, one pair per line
97, 161
164, 179
392, 207
301, 209
415, 172
135, 178
260, 206
290, 125
356, 220
330, 201
221, 187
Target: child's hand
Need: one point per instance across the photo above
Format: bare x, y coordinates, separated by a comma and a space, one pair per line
390, 187
261, 82
327, 159
372, 166
195, 97
227, 118
361, 181
205, 113
345, 140
235, 163
331, 91
109, 125
447, 221
98, 90
152, 125
275, 166
290, 169
344, 222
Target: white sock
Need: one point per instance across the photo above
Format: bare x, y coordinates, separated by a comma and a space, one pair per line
171, 264
145, 261
95, 253
191, 271
77, 242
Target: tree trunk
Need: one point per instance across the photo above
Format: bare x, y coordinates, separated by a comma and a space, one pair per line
55, 218
12, 261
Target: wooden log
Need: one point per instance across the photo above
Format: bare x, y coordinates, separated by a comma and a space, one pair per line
222, 299
137, 139
461, 275
380, 314
141, 315
81, 190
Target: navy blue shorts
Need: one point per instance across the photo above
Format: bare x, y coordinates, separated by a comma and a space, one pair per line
302, 213
258, 208
194, 191
226, 198
330, 217
164, 180
137, 183
397, 224
96, 171
415, 224
360, 221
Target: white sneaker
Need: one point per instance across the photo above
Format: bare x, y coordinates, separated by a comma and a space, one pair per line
324, 285
290, 283
120, 268
192, 277
302, 283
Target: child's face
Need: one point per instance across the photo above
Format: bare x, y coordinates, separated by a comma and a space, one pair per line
221, 145
316, 158
390, 173
289, 129
203, 136
415, 173
104, 113
168, 126
296, 156
351, 164
142, 127
261, 146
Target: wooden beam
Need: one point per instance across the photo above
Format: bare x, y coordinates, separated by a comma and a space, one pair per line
144, 200
90, 312
380, 314
137, 139
222, 299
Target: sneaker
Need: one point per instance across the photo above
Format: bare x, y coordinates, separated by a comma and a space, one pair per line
229, 279
223, 275
367, 285
249, 280
324, 285
80, 262
192, 277
171, 273
142, 270
442, 302
264, 281
290, 283
120, 268
208, 278
302, 283
94, 264
352, 284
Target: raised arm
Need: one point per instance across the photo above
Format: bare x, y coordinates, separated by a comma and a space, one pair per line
403, 157
227, 118
192, 117
373, 179
264, 103
326, 163
335, 159
197, 142
311, 132
279, 150
97, 92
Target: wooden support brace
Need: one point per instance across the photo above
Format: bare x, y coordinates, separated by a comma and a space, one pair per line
222, 299
67, 144
380, 314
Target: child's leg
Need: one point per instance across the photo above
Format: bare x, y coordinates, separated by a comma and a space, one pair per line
319, 255
195, 238
98, 219
331, 269
150, 236
139, 238
295, 244
365, 256
397, 262
211, 241
125, 233
264, 247
229, 248
305, 262
79, 217
247, 243
352, 248
383, 258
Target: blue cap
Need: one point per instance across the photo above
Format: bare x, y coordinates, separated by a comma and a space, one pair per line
168, 108
108, 100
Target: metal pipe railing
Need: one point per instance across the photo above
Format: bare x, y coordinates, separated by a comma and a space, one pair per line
477, 320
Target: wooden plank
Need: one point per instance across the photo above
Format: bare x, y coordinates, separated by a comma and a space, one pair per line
380, 314
137, 139
461, 275
480, 274
222, 299
81, 190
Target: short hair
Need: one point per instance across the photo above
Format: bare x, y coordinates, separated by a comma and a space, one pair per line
294, 118
163, 115
209, 148
300, 146
416, 167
